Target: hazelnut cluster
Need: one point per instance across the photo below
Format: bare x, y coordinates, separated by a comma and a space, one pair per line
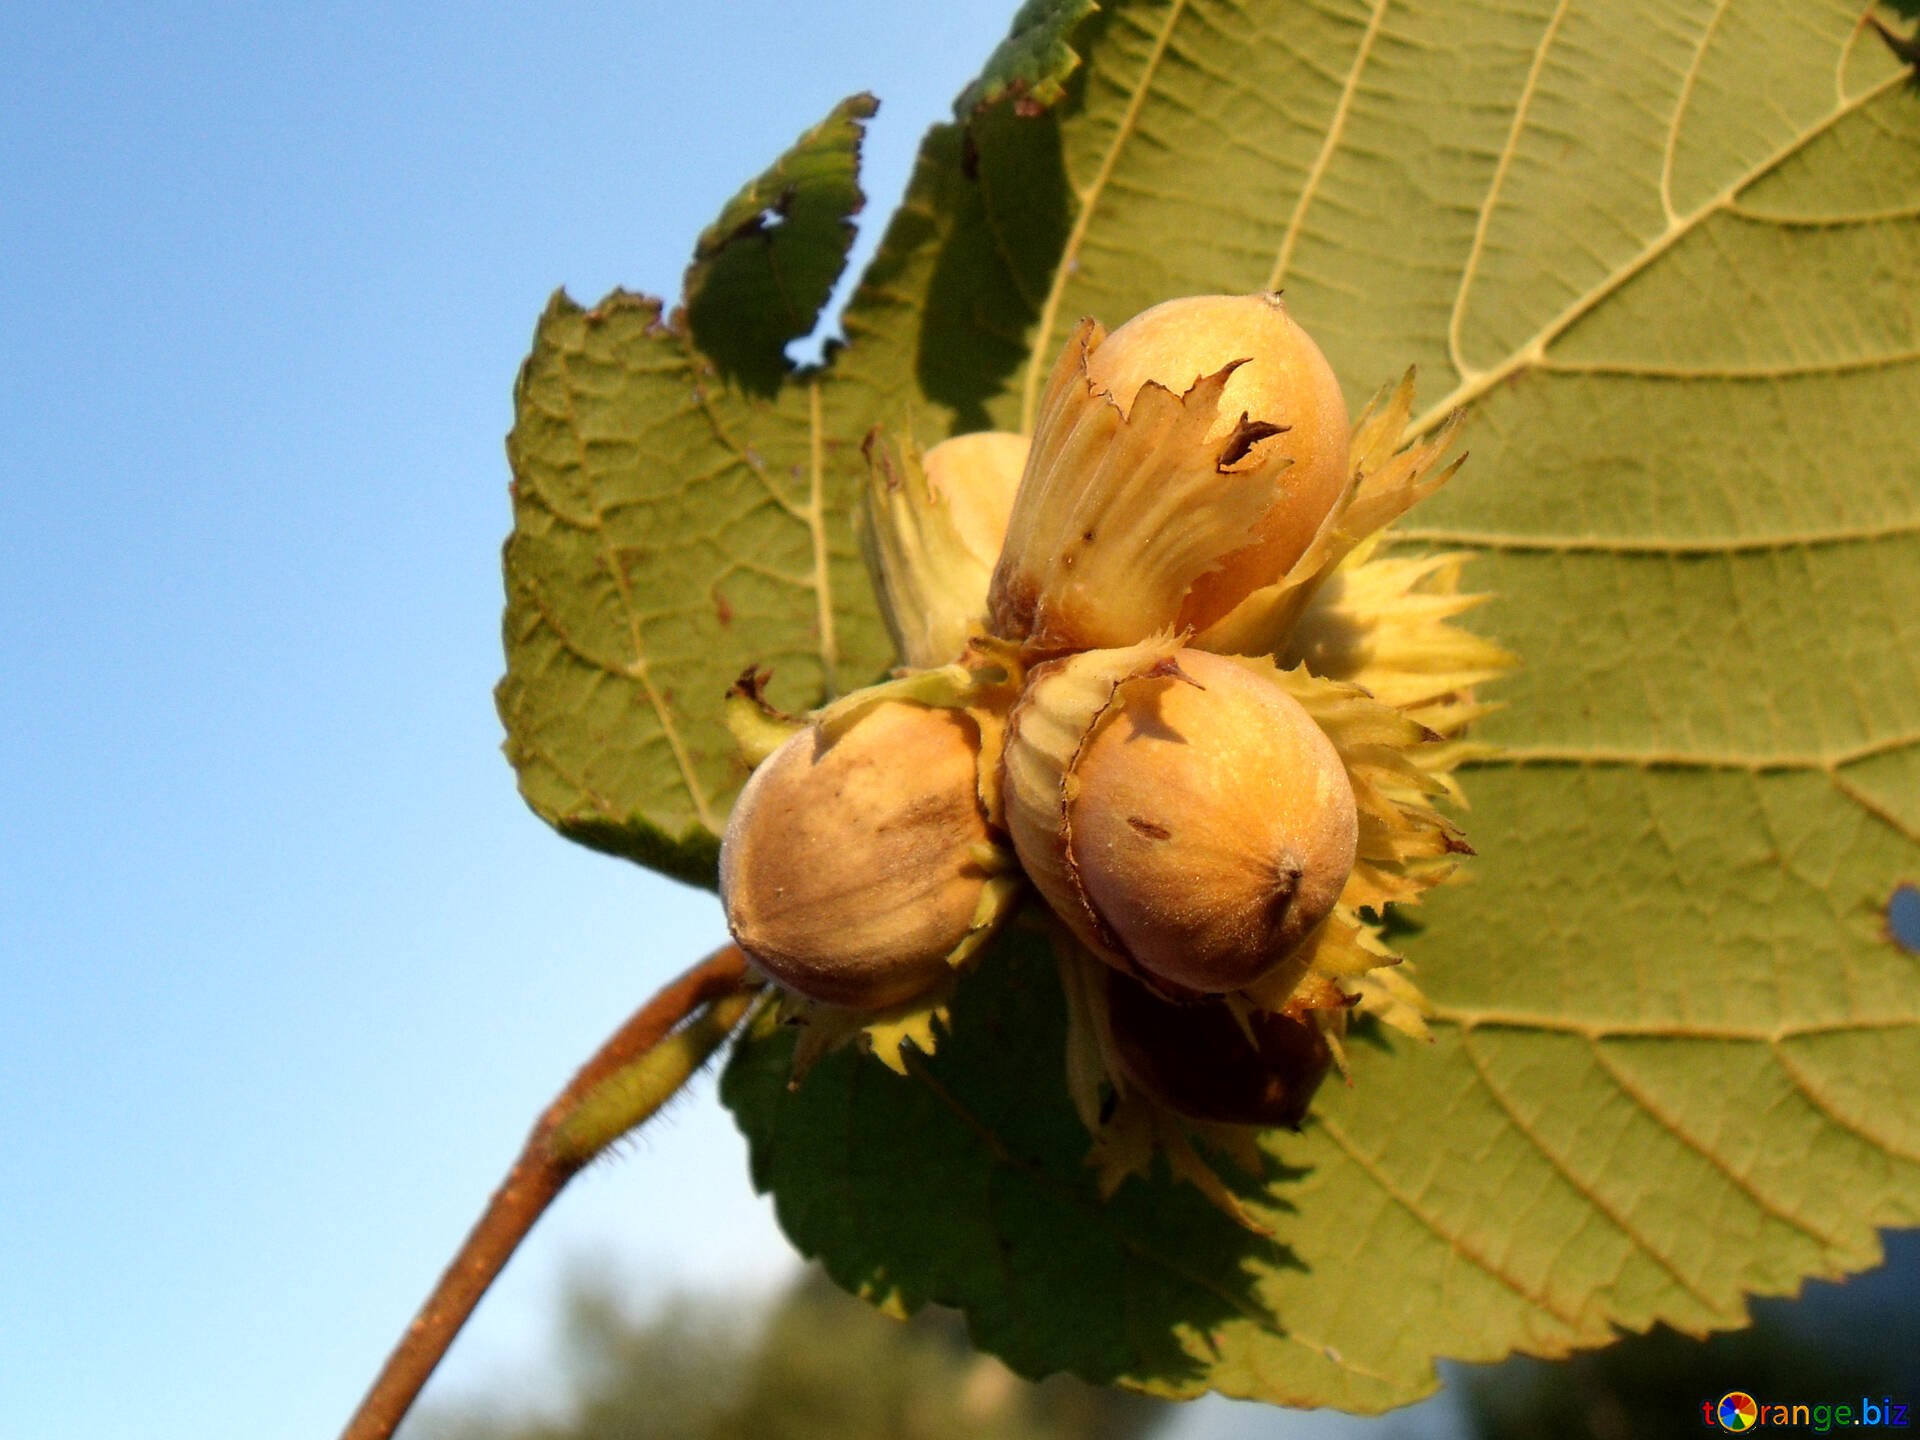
1154, 665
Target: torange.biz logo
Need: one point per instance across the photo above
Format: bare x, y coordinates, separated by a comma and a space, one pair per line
1738, 1411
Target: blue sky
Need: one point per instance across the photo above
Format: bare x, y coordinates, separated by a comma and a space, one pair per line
285, 966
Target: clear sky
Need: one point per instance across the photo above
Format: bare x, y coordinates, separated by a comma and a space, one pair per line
286, 968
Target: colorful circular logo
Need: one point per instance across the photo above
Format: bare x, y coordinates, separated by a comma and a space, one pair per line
1737, 1411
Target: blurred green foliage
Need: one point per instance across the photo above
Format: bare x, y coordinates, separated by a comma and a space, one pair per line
823, 1366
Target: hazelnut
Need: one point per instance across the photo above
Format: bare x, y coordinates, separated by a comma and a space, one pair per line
1181, 812
852, 870
1204, 1062
1178, 464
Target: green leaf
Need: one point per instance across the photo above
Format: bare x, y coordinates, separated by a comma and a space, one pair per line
763, 270
1674, 296
671, 529
680, 513
1665, 257
668, 531
965, 1183
1033, 62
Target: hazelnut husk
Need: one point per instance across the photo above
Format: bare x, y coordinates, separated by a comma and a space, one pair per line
1282, 381
1181, 812
931, 527
1178, 464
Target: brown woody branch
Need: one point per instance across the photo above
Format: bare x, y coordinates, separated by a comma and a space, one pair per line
539, 1175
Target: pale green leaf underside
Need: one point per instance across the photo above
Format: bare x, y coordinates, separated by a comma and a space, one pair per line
668, 531
681, 504
1667, 255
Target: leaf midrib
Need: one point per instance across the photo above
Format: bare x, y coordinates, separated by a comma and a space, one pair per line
636, 669
1089, 201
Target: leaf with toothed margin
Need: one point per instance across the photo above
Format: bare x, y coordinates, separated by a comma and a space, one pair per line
1662, 255
680, 513
1663, 258
673, 529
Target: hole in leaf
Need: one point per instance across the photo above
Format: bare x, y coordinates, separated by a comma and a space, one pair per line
1903, 918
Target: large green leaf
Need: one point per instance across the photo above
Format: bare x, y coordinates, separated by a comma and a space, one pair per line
674, 524
1666, 255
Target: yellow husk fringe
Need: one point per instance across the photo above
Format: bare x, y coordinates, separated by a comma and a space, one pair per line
1366, 643
1364, 640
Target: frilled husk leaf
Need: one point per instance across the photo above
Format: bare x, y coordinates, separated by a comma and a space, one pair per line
1388, 480
929, 551
1386, 625
1119, 514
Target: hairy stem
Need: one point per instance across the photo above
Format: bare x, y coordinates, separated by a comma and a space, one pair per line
629, 1078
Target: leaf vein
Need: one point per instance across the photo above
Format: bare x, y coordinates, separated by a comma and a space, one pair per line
743, 453
637, 668
1876, 808
1471, 387
1484, 221
1668, 1122
1672, 146
1810, 1092
1456, 1244
1695, 760
1834, 221
1336, 129
1581, 1186
1657, 544
817, 527
1468, 1018
1644, 370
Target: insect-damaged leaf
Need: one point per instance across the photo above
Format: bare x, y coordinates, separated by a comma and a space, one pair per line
681, 513
763, 270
